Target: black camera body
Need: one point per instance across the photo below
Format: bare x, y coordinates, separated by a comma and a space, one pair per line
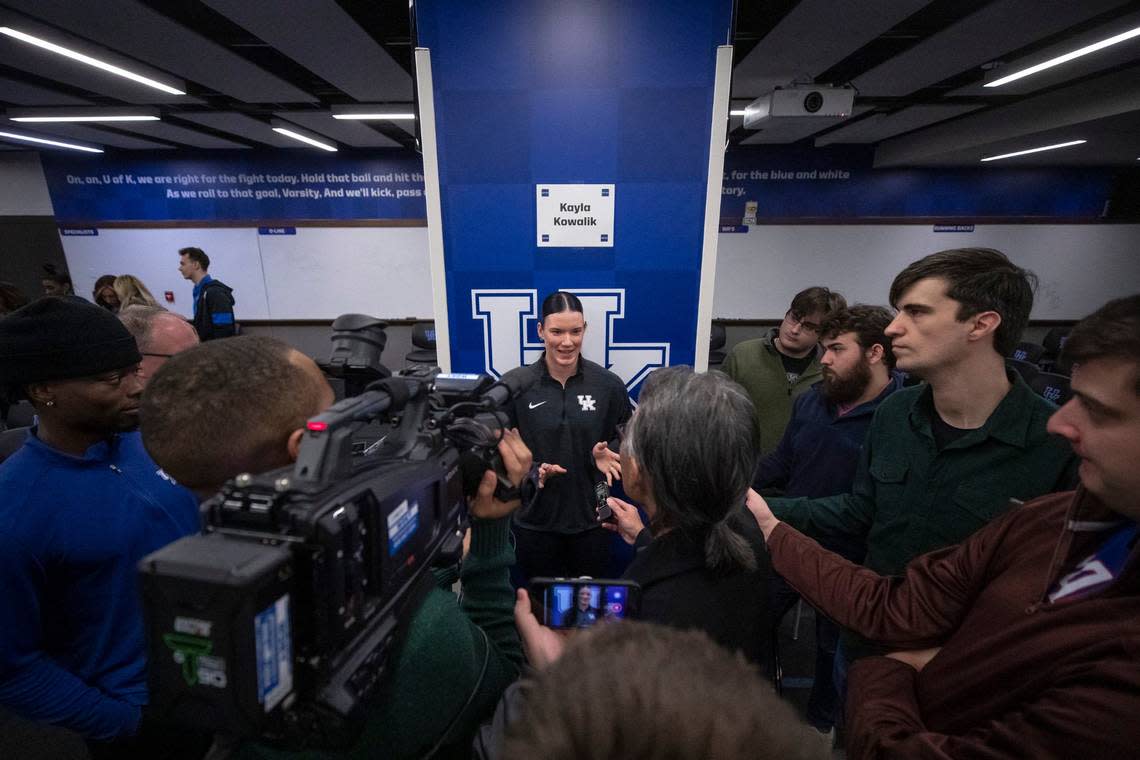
278, 621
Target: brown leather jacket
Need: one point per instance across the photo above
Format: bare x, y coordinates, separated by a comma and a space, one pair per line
1017, 675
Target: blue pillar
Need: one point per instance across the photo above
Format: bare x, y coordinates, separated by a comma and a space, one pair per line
532, 96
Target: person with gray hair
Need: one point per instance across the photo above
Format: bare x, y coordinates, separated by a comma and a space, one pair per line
688, 455
160, 334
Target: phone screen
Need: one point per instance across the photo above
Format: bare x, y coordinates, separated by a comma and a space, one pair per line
582, 605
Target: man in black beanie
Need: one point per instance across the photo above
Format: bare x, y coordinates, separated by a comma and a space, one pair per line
82, 503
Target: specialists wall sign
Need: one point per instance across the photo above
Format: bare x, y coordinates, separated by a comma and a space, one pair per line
574, 216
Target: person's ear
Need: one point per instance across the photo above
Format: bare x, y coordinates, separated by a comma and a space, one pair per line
40, 394
875, 353
984, 323
293, 445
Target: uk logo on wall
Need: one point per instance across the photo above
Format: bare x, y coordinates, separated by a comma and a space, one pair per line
510, 333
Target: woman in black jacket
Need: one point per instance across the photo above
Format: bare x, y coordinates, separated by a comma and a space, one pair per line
688, 456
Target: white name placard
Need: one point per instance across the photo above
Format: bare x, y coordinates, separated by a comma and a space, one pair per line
575, 216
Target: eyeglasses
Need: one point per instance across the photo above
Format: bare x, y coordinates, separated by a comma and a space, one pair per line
798, 319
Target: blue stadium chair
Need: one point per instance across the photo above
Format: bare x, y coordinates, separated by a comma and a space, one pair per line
1054, 343
1027, 352
11, 440
1027, 370
423, 338
1053, 387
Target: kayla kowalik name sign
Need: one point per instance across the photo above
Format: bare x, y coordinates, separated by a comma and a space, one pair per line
575, 216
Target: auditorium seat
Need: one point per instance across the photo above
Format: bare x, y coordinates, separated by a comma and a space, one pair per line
717, 340
1027, 370
1027, 352
20, 415
11, 440
1054, 343
1052, 386
423, 338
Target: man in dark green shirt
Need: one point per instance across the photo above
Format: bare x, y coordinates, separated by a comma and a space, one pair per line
944, 458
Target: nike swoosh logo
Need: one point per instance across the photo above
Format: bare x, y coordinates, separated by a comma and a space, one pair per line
535, 406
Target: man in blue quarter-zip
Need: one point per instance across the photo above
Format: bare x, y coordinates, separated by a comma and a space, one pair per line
82, 502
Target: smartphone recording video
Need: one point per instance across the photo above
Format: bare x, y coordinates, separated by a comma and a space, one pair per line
584, 602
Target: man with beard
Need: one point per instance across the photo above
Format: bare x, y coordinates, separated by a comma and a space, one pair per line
819, 452
943, 459
82, 504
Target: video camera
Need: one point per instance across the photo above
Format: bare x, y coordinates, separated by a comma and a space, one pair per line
279, 620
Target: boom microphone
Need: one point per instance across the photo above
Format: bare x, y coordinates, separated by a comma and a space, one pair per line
510, 386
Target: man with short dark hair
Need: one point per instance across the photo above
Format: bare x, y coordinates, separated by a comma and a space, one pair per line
777, 368
251, 397
82, 504
213, 299
160, 334
819, 452
1021, 641
944, 458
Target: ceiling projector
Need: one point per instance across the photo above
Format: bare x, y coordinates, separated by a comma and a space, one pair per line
808, 100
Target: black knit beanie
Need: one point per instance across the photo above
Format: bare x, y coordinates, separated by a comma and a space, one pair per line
61, 338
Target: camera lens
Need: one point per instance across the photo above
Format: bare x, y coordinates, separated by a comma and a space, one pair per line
813, 101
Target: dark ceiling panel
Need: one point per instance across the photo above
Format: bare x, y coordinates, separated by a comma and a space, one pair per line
351, 133
21, 93
136, 30
46, 65
178, 134
1115, 94
240, 125
101, 137
1102, 60
881, 126
1111, 141
796, 48
981, 37
336, 48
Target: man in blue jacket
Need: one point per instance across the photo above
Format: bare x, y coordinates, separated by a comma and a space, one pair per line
82, 503
819, 452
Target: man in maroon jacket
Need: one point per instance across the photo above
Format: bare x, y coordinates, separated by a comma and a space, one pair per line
1024, 640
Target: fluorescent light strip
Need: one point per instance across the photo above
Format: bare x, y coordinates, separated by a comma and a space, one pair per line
41, 141
1122, 37
76, 56
46, 119
1035, 150
736, 113
305, 139
376, 116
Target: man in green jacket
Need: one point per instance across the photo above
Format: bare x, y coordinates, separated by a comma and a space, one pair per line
784, 363
944, 458
457, 655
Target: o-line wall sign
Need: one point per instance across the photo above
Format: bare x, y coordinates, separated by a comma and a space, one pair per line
574, 216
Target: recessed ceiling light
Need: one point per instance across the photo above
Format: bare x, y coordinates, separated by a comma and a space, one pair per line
77, 56
376, 116
54, 143
50, 119
1035, 150
294, 133
374, 112
1116, 39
